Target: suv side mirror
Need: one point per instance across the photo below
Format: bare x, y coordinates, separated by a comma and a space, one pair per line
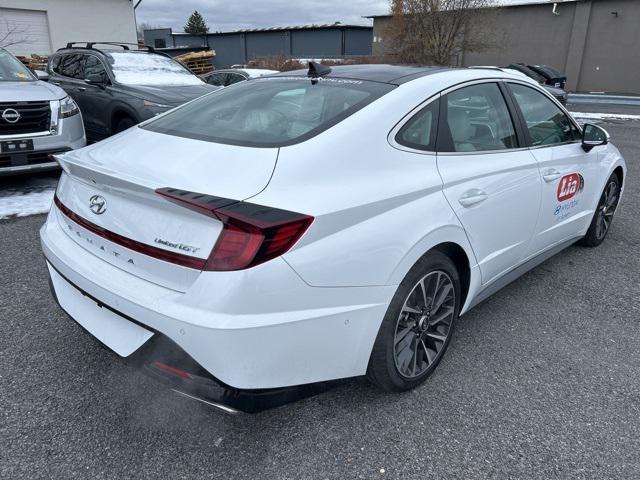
593, 136
44, 76
95, 79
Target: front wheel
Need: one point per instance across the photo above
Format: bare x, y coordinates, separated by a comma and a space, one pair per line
418, 325
603, 215
123, 124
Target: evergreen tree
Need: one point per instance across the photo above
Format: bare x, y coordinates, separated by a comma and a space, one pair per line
196, 24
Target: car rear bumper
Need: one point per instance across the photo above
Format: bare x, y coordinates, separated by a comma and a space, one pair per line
70, 136
284, 333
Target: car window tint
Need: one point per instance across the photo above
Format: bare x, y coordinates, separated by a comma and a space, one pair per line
216, 79
269, 112
420, 131
71, 65
546, 122
477, 119
234, 78
93, 66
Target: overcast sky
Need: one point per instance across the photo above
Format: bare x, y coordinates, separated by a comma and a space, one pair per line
226, 15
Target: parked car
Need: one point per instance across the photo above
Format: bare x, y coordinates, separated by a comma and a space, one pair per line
118, 87
553, 77
558, 93
36, 119
327, 224
224, 78
543, 74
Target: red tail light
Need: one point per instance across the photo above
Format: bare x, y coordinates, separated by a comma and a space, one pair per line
251, 234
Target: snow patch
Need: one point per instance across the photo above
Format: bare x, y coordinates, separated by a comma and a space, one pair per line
150, 69
26, 204
605, 116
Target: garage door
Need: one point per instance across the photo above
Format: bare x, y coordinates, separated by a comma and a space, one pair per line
24, 32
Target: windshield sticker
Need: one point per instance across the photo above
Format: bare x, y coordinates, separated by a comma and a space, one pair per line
569, 186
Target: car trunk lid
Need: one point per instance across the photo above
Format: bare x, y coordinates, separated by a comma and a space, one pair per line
107, 200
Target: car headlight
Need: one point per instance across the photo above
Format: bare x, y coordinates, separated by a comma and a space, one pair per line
148, 103
68, 107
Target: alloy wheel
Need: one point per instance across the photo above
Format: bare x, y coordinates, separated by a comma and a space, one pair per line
424, 324
606, 209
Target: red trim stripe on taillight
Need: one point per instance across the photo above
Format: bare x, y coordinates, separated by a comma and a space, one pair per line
155, 252
251, 234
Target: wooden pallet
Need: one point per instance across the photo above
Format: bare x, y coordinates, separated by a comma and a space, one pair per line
35, 62
198, 62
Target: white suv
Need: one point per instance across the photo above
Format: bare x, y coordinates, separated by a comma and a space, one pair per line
37, 119
325, 224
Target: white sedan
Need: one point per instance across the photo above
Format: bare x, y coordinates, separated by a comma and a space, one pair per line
319, 225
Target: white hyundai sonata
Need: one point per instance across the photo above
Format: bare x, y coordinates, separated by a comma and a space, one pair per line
318, 225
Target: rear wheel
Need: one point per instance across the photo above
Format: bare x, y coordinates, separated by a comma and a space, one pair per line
418, 325
603, 215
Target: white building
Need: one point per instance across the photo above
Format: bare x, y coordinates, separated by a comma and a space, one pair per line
43, 26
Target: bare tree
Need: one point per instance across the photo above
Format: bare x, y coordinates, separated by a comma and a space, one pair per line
12, 34
435, 31
142, 26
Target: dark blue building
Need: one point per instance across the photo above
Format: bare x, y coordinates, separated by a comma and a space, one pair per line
306, 41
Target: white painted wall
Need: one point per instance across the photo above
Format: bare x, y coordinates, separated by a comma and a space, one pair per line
79, 20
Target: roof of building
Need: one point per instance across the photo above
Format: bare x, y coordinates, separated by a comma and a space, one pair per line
501, 4
282, 29
395, 74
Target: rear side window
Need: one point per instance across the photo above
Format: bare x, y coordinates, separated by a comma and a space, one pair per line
217, 79
546, 122
420, 131
477, 119
234, 78
269, 112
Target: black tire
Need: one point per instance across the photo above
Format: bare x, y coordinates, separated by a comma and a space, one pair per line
384, 369
123, 124
603, 216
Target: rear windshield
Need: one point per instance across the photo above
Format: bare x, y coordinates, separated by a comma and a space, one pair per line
269, 112
132, 68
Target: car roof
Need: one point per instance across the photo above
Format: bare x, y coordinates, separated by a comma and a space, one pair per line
385, 73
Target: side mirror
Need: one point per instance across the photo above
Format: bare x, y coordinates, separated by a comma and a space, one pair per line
44, 76
95, 79
593, 136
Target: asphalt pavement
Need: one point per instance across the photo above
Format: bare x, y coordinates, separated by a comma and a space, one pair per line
541, 381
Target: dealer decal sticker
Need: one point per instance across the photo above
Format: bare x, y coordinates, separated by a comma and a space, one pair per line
569, 185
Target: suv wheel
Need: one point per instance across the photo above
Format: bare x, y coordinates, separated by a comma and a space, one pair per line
123, 124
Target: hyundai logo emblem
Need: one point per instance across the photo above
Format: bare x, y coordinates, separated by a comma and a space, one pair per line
97, 204
10, 115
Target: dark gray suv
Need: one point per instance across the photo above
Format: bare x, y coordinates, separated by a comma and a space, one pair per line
117, 87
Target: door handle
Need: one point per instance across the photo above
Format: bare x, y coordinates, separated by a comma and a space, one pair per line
82, 89
472, 197
551, 175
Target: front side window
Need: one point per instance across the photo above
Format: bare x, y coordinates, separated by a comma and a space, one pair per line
269, 112
141, 68
94, 67
420, 131
546, 122
12, 70
478, 120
